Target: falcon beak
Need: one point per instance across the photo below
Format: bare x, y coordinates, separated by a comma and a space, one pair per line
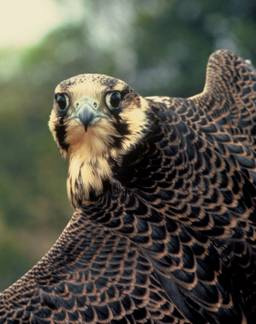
87, 112
87, 117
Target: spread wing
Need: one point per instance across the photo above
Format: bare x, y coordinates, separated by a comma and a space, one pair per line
89, 276
227, 110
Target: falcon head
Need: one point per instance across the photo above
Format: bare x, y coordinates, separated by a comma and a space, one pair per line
95, 119
96, 112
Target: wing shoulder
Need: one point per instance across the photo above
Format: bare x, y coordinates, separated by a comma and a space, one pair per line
229, 95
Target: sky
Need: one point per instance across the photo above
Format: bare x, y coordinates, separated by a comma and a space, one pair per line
24, 22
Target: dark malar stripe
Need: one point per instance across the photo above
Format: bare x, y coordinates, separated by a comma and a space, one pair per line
122, 129
61, 135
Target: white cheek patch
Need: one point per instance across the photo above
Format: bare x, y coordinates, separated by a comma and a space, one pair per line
136, 121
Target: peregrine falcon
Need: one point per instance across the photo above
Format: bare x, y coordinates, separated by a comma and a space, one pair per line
165, 205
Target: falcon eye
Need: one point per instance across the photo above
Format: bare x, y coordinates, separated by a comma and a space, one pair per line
113, 100
62, 100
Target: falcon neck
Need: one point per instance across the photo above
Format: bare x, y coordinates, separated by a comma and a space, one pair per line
92, 172
134, 169
87, 177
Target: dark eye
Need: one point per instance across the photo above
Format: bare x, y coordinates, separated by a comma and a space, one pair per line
62, 100
113, 100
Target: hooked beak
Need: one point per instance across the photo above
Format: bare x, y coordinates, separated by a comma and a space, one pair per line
87, 113
87, 117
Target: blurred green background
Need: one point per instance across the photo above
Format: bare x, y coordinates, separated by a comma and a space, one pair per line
159, 47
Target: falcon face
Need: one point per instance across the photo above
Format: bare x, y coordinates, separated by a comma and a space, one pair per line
95, 118
97, 111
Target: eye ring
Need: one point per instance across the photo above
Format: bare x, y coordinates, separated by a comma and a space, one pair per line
113, 100
62, 100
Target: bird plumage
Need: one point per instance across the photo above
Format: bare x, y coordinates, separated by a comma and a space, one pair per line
164, 191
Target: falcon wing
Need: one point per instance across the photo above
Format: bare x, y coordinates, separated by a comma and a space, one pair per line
89, 276
227, 109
